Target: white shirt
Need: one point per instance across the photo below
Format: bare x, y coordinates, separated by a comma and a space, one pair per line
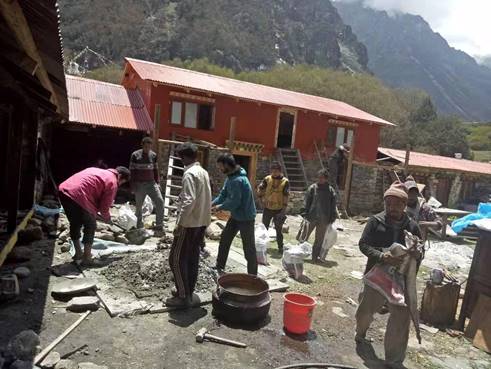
195, 198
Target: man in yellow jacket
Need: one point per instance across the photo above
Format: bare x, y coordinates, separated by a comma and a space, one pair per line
273, 194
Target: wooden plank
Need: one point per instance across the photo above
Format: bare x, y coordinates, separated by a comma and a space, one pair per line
15, 19
156, 128
231, 135
482, 339
481, 310
406, 160
13, 238
349, 173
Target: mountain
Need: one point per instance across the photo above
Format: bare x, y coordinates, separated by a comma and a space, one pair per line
484, 60
404, 51
242, 35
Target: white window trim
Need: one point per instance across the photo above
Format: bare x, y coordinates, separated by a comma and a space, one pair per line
294, 131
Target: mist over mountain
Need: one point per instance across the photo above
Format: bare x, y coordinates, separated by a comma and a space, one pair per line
404, 51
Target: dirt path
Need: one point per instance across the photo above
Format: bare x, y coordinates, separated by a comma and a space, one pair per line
168, 340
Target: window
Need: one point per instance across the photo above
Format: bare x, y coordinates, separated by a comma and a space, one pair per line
337, 136
176, 113
192, 115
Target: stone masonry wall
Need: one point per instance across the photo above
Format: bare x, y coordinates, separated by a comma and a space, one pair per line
367, 190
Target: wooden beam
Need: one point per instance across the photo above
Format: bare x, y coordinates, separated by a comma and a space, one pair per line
406, 160
13, 238
349, 173
15, 19
156, 128
231, 135
14, 144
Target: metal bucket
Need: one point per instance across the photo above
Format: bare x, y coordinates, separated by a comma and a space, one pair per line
241, 298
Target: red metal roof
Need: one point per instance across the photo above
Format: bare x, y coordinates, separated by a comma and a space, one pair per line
248, 91
106, 104
419, 159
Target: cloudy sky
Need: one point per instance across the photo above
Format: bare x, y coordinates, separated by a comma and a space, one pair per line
465, 24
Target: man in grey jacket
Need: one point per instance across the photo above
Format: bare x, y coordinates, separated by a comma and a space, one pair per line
194, 215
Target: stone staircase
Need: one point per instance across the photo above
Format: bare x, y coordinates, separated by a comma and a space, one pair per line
291, 161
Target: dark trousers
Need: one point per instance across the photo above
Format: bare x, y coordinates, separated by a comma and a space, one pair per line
78, 218
278, 219
246, 229
184, 259
320, 231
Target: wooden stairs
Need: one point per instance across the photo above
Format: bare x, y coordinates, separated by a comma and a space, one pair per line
291, 161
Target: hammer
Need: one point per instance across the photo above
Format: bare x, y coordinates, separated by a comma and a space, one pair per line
202, 335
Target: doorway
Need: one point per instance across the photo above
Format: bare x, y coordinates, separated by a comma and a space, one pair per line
244, 162
286, 123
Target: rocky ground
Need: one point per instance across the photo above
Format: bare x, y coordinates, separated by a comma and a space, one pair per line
167, 340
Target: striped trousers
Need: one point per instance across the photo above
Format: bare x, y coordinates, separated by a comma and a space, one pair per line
184, 259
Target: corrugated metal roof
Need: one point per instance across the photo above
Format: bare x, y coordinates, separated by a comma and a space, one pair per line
248, 91
106, 104
419, 159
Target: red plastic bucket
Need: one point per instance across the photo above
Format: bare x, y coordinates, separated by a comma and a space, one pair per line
297, 312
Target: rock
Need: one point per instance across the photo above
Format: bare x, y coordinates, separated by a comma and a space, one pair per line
115, 230
21, 364
137, 236
32, 233
73, 287
64, 236
83, 303
20, 253
214, 231
66, 364
50, 203
91, 366
105, 235
122, 239
51, 360
24, 346
22, 272
102, 227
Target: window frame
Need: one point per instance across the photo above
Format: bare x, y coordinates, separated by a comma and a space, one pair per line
346, 135
182, 122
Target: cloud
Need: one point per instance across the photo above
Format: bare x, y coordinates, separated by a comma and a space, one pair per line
464, 23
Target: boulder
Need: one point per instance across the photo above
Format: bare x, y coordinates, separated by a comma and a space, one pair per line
20, 253
66, 364
83, 303
51, 360
91, 366
32, 233
22, 272
105, 235
214, 231
23, 346
102, 227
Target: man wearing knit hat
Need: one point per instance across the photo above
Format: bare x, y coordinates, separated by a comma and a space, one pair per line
417, 208
381, 231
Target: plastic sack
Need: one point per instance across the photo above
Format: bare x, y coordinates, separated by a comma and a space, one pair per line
126, 218
292, 264
261, 239
387, 281
147, 208
302, 251
46, 212
330, 238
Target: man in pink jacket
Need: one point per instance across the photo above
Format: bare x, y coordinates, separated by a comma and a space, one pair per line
84, 196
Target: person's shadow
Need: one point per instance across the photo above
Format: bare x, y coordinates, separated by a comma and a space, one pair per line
185, 317
370, 359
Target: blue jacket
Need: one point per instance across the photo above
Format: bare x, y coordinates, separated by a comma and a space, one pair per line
236, 196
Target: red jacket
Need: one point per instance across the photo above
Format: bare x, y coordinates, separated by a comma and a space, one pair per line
94, 189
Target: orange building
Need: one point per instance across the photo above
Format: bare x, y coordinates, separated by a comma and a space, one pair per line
267, 119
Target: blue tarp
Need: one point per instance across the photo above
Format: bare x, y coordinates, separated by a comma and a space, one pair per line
483, 212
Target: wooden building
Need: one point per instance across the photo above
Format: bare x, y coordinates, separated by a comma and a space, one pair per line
32, 99
106, 124
257, 122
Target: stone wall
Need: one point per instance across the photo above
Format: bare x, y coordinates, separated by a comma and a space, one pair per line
217, 178
367, 189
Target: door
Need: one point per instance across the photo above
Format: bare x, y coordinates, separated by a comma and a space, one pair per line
285, 130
